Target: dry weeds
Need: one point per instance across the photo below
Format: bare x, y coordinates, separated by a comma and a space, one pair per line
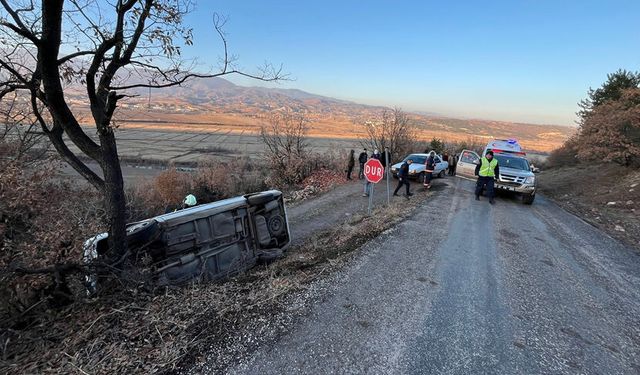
141, 332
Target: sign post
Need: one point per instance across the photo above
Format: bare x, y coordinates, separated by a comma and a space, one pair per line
373, 172
386, 162
370, 199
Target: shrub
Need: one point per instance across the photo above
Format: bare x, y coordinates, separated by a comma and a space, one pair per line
567, 154
43, 224
611, 132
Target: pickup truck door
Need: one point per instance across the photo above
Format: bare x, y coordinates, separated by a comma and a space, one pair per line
467, 163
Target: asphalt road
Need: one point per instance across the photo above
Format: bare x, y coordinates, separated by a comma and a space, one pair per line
464, 287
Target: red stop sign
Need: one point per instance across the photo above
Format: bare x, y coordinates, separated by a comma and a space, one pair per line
373, 170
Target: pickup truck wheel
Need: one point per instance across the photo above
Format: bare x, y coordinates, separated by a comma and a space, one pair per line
261, 198
528, 199
276, 225
441, 174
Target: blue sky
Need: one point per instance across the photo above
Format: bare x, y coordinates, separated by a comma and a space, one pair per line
528, 61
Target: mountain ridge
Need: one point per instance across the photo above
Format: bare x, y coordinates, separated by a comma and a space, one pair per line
238, 108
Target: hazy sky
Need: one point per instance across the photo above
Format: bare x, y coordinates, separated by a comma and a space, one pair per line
529, 61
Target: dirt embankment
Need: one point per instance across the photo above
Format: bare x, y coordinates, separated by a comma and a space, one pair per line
605, 195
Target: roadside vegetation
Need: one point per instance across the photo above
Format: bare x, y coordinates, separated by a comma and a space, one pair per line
48, 324
596, 173
45, 218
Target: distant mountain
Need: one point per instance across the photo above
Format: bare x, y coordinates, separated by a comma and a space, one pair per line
218, 92
218, 102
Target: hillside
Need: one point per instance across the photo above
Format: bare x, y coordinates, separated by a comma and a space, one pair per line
219, 105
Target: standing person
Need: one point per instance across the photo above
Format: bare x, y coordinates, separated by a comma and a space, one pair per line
453, 160
403, 178
430, 165
376, 154
350, 164
367, 184
383, 158
487, 171
362, 159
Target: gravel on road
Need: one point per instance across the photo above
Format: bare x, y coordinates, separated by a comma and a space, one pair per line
465, 287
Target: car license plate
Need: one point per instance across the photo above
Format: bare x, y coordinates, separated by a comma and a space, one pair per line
504, 187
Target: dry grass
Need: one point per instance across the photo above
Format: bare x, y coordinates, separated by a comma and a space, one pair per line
608, 198
141, 332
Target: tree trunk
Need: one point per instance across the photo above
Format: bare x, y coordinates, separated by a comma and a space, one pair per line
114, 197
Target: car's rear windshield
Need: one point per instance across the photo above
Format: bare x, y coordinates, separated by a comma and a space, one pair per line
510, 162
419, 159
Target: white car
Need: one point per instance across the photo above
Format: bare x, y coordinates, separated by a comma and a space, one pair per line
417, 168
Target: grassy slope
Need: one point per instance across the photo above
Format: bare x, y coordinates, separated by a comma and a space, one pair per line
589, 190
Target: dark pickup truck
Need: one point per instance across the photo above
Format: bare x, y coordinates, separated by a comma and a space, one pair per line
205, 242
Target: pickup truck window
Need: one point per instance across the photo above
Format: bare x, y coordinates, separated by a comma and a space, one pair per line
468, 157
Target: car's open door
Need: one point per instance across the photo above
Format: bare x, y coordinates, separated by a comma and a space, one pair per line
467, 163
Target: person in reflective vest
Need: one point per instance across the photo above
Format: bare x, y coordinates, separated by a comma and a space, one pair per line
487, 171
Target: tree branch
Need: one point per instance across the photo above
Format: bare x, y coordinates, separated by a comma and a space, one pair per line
64, 59
277, 76
50, 75
20, 29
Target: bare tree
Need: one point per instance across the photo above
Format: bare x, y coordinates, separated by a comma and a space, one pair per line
20, 138
107, 48
392, 130
285, 140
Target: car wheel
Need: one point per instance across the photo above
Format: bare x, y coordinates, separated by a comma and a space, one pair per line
421, 177
441, 174
276, 225
260, 198
142, 233
528, 199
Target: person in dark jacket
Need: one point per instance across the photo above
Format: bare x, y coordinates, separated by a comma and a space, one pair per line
383, 158
430, 166
453, 160
350, 164
376, 154
362, 158
487, 171
367, 184
403, 178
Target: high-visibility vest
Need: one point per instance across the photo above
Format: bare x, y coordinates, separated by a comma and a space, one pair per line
487, 169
